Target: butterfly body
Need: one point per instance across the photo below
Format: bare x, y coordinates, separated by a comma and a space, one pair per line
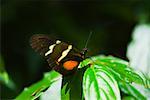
61, 56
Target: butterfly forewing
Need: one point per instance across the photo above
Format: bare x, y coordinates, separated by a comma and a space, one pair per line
52, 58
40, 43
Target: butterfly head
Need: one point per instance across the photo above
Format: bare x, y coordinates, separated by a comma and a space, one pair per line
84, 52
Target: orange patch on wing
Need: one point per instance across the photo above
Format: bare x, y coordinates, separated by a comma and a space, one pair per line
69, 65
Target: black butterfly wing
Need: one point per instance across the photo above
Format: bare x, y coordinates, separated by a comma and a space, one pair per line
40, 43
57, 53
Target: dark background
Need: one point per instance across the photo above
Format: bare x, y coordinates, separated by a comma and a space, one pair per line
111, 22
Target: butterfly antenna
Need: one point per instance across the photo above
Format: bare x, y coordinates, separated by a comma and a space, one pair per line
88, 39
84, 51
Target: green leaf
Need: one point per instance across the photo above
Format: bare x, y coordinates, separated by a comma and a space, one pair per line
99, 84
4, 77
131, 90
128, 98
119, 68
72, 86
36, 90
53, 92
65, 93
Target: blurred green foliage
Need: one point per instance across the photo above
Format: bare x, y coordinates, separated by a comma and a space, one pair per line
111, 22
4, 77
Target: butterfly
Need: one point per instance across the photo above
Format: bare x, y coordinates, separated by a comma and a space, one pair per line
61, 56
